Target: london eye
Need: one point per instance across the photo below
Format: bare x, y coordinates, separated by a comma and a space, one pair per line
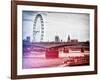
38, 28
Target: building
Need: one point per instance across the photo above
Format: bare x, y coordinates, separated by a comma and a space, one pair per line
74, 40
57, 39
27, 40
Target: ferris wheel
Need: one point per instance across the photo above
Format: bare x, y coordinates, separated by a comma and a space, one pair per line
38, 28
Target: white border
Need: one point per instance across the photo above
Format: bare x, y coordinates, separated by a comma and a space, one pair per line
21, 71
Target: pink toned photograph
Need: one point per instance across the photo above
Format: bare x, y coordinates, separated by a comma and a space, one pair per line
55, 39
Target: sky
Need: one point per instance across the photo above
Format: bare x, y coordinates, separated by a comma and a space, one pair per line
57, 24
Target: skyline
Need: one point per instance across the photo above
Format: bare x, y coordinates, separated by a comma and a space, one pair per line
55, 25
28, 38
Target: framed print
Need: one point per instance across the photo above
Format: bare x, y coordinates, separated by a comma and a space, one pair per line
53, 39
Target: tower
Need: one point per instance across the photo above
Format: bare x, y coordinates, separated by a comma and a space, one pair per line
28, 38
68, 39
57, 39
